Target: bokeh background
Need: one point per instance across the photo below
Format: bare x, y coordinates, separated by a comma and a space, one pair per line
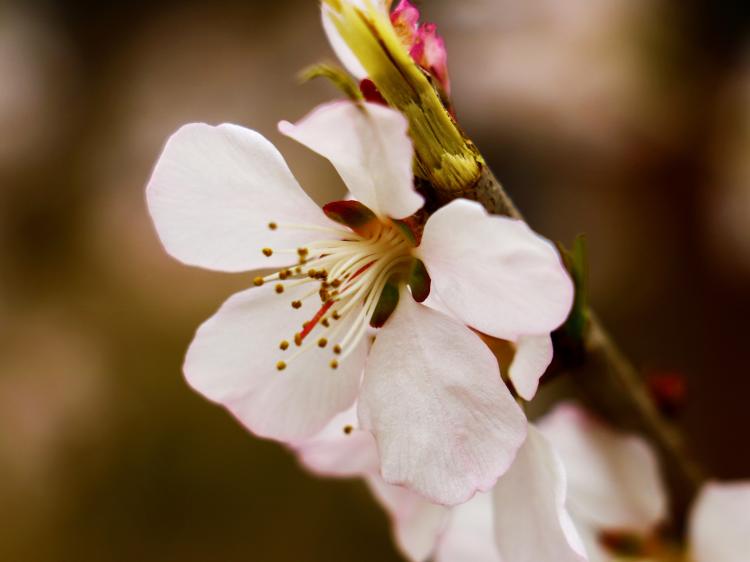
628, 120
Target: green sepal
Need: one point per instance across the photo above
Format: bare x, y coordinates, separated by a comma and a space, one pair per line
336, 75
419, 281
386, 304
353, 214
576, 262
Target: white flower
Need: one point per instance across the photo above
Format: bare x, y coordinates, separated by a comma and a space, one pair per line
522, 519
289, 354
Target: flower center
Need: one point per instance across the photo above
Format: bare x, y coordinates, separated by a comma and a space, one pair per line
347, 275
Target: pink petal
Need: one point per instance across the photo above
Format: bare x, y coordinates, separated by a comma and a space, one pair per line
232, 360
495, 273
531, 524
533, 356
369, 146
445, 424
720, 523
341, 449
470, 534
215, 189
417, 523
613, 479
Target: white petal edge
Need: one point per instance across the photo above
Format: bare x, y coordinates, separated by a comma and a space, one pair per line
232, 361
339, 46
531, 522
369, 146
494, 272
214, 191
445, 424
720, 523
614, 480
416, 523
533, 356
341, 449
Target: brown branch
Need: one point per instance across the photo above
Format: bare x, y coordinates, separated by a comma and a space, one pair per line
607, 381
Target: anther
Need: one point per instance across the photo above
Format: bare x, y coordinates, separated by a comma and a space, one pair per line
325, 322
322, 342
258, 281
334, 364
348, 429
335, 283
296, 304
297, 339
284, 345
337, 349
298, 269
335, 314
280, 366
272, 225
267, 252
301, 252
284, 273
279, 288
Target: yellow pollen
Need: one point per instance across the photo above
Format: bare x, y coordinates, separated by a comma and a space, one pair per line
258, 281
267, 252
337, 349
273, 225
336, 315
284, 345
322, 342
296, 304
280, 366
348, 429
279, 288
334, 364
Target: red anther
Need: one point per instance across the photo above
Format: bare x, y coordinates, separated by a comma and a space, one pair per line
668, 389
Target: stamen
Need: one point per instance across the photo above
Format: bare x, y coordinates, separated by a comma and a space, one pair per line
337, 349
272, 225
296, 304
348, 429
322, 342
267, 252
284, 345
279, 288
280, 366
334, 364
258, 281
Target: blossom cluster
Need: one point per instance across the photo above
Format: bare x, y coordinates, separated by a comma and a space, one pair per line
361, 341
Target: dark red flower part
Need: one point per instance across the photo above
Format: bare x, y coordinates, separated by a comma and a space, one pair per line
370, 92
669, 391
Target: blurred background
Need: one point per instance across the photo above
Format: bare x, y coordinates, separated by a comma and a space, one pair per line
628, 120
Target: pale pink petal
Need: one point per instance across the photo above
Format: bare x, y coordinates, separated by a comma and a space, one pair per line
341, 449
531, 523
215, 189
613, 479
232, 360
369, 146
720, 523
416, 522
470, 533
495, 273
432, 395
533, 356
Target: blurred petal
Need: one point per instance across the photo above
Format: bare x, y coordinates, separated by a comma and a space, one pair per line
369, 146
232, 360
215, 189
417, 523
495, 273
613, 479
469, 535
339, 46
341, 449
720, 523
533, 356
531, 524
445, 424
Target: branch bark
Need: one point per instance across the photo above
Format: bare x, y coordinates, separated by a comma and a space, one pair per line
607, 381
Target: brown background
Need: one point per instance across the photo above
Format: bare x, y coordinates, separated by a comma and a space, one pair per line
625, 119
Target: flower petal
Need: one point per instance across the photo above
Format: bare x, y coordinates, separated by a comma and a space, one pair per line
720, 523
445, 424
339, 46
369, 146
341, 449
232, 360
470, 534
533, 356
213, 193
531, 523
613, 479
495, 273
417, 523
